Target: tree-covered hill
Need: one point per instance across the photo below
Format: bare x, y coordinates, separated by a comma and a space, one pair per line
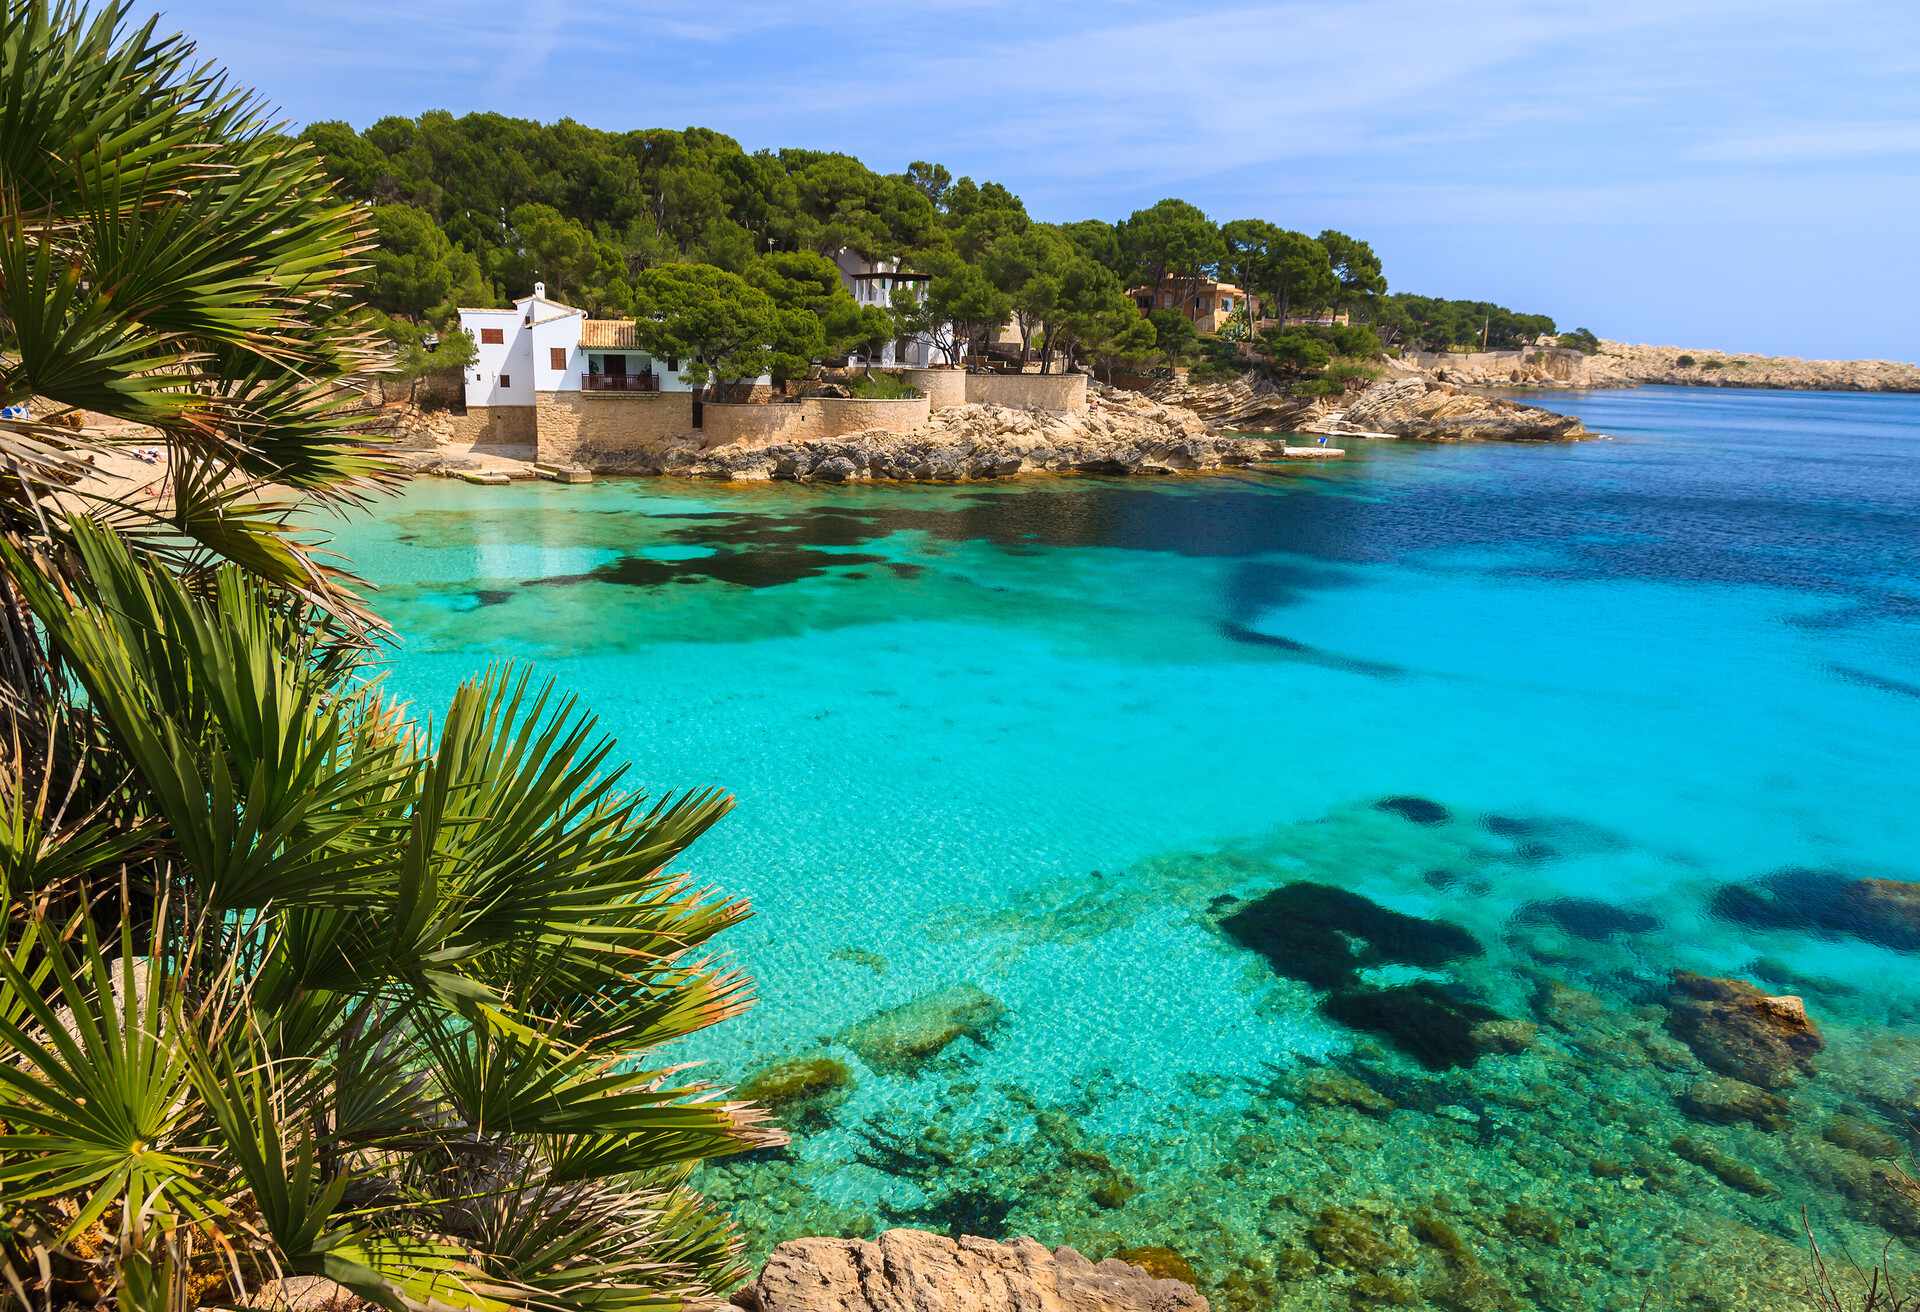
471, 210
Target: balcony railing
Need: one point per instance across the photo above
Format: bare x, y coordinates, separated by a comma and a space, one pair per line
620, 382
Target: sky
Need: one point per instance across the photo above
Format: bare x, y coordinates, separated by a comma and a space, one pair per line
1727, 174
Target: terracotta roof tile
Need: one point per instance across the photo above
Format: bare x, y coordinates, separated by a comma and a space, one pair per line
609, 335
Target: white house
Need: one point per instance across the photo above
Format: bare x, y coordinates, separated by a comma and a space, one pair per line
873, 282
540, 345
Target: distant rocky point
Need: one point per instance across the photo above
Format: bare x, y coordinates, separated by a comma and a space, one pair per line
1622, 364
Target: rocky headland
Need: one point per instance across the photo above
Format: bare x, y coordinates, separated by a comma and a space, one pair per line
1402, 406
1623, 364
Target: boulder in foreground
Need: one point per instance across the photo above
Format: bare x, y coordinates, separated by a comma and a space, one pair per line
914, 1271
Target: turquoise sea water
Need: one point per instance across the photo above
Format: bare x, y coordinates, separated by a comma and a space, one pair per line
1031, 761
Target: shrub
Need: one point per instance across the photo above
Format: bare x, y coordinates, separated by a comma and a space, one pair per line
883, 387
1581, 340
1296, 351
1684, 362
291, 983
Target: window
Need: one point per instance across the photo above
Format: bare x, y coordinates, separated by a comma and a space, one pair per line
1226, 305
492, 336
557, 356
673, 363
505, 381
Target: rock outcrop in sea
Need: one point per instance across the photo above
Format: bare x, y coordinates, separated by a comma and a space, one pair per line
914, 1271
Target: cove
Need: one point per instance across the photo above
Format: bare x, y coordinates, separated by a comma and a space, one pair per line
1011, 758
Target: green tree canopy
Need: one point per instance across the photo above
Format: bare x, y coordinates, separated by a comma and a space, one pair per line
1031, 268
416, 272
723, 328
1355, 267
551, 248
1170, 239
806, 284
979, 216
957, 308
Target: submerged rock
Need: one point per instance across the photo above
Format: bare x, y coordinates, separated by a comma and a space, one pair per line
1729, 1170
1860, 1136
905, 1037
1420, 810
1434, 1026
1586, 918
800, 1089
913, 1271
1735, 1029
1336, 1089
1882, 911
1160, 1262
1725, 1101
1324, 936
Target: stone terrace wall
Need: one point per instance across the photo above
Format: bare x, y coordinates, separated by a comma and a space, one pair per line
808, 420
576, 425
493, 425
842, 415
729, 423
1059, 392
943, 388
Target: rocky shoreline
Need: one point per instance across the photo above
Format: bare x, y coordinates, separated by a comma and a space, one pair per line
1178, 430
1119, 433
1624, 364
1413, 408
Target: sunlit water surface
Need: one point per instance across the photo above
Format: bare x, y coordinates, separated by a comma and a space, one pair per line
1032, 754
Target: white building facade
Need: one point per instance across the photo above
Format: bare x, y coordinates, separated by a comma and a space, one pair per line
540, 345
874, 282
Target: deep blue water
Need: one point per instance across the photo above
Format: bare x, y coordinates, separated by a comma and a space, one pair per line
1039, 756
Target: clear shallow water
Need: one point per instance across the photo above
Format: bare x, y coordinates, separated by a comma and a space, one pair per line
1051, 741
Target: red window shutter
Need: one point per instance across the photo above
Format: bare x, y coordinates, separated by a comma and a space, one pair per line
557, 355
505, 381
492, 336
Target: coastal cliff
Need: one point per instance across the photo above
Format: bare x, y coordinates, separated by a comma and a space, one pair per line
1622, 364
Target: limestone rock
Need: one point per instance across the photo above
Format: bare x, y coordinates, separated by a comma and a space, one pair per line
1735, 1029
1725, 1101
902, 1038
1429, 411
1623, 364
1119, 433
914, 1271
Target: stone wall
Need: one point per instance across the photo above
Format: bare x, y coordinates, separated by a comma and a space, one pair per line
575, 426
842, 415
727, 423
1064, 393
808, 420
943, 388
494, 425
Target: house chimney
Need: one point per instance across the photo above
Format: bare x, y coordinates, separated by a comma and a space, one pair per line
540, 291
